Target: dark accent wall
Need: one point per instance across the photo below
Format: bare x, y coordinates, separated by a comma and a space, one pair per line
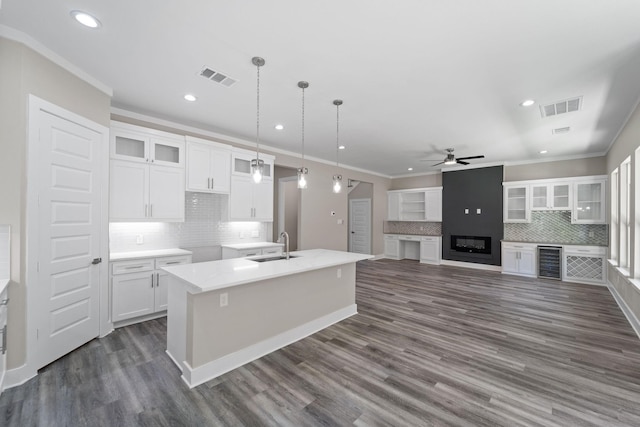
472, 189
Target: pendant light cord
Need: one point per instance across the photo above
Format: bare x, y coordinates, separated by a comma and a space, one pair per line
303, 127
337, 137
258, 116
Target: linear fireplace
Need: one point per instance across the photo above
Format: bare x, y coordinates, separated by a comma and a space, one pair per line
471, 244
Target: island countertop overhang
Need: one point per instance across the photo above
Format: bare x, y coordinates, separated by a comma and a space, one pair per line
216, 275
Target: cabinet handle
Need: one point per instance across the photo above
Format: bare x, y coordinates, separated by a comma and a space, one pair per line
133, 267
209, 183
152, 279
151, 210
146, 210
212, 183
4, 302
173, 262
158, 280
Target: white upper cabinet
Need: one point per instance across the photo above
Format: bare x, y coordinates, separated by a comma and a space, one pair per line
208, 166
589, 204
551, 196
583, 196
420, 204
147, 176
249, 201
516, 203
138, 146
241, 164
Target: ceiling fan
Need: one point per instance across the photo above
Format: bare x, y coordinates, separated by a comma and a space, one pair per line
450, 159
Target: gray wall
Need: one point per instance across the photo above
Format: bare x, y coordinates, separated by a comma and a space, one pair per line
24, 72
626, 145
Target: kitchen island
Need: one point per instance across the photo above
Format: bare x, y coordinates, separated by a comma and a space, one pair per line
223, 314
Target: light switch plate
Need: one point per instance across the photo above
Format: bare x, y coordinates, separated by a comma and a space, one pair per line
478, 211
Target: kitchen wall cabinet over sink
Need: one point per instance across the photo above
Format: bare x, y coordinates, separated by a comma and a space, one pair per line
249, 201
208, 166
146, 180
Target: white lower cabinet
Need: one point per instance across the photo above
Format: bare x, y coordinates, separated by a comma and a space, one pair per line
584, 264
139, 288
430, 249
254, 250
392, 247
519, 258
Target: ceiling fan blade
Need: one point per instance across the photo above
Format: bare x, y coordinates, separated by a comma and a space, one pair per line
471, 158
429, 160
437, 164
461, 162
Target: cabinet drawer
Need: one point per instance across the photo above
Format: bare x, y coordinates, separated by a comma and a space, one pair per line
429, 239
271, 251
519, 246
169, 261
249, 252
585, 250
133, 266
391, 237
409, 238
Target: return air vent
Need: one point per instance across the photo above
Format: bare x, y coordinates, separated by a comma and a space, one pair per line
558, 131
217, 77
561, 107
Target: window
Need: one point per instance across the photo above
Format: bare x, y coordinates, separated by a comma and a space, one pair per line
614, 218
625, 215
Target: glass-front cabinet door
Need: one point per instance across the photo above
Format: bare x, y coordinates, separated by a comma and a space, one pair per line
551, 196
589, 206
516, 205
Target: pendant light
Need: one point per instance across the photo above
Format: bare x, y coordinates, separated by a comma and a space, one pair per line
337, 178
302, 171
257, 165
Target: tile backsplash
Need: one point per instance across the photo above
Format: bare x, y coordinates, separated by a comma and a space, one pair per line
205, 226
413, 227
556, 227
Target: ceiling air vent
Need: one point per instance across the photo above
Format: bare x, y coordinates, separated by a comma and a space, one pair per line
217, 77
561, 107
557, 131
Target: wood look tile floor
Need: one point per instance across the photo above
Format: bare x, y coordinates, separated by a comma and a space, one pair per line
431, 345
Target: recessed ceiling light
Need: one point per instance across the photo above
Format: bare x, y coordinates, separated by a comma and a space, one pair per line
279, 127
85, 19
527, 103
341, 147
543, 151
190, 97
410, 169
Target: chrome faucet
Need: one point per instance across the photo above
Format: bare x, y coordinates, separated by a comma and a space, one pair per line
286, 242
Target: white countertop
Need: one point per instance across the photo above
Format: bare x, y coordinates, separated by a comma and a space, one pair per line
254, 245
119, 256
213, 275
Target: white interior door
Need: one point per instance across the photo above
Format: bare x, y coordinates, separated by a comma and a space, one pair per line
360, 226
68, 216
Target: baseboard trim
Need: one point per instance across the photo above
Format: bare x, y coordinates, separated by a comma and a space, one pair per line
633, 320
196, 376
17, 376
471, 265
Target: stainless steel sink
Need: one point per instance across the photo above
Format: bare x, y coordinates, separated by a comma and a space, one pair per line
273, 258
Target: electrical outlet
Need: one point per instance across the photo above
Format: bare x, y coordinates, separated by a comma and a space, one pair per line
224, 299
255, 233
139, 239
591, 234
478, 211
340, 222
339, 273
